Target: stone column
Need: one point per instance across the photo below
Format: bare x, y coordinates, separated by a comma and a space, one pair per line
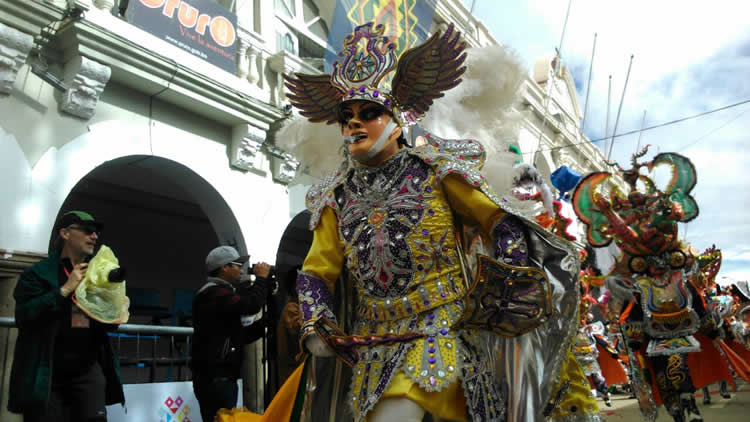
243, 61
14, 49
105, 5
253, 56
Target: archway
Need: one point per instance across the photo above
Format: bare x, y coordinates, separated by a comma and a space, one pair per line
161, 219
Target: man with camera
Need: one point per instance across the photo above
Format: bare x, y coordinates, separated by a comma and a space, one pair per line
221, 318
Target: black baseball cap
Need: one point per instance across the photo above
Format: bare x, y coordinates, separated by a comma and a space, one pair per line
81, 218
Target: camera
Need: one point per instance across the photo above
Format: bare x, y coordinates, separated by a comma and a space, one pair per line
271, 271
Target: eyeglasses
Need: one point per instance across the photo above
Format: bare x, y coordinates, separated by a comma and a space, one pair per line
87, 230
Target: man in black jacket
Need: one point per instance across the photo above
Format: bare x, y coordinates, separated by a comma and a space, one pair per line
223, 311
64, 368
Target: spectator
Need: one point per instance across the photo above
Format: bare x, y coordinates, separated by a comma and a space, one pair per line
64, 368
221, 310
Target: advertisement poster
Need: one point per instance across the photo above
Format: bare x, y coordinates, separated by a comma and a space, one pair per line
201, 27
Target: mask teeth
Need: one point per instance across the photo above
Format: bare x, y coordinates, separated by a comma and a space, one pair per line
352, 139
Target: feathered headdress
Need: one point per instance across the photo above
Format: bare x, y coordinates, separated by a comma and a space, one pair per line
422, 74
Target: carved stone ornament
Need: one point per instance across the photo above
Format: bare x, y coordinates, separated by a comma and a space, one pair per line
246, 143
566, 158
14, 48
285, 168
85, 80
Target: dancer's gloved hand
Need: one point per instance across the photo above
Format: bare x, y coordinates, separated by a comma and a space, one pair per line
317, 347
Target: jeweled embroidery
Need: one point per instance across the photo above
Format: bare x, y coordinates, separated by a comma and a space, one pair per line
377, 217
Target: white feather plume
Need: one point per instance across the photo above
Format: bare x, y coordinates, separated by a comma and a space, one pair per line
481, 108
315, 145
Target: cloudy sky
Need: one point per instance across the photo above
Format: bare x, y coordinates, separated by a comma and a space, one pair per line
689, 57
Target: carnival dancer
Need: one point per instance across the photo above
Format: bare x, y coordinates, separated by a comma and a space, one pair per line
587, 355
386, 223
651, 275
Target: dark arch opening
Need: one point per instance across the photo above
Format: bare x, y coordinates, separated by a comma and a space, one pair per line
161, 219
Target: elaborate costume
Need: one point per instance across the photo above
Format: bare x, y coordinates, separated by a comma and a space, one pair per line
389, 226
652, 274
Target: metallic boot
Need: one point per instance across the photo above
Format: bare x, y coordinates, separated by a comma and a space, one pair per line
677, 413
706, 396
691, 409
723, 390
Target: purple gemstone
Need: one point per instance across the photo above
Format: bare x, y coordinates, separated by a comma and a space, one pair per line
426, 303
387, 102
428, 189
442, 294
431, 316
409, 310
420, 267
367, 366
444, 331
432, 380
431, 350
351, 91
431, 212
362, 88
432, 360
428, 323
375, 94
431, 339
425, 232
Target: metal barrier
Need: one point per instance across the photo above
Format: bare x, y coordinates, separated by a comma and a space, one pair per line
166, 359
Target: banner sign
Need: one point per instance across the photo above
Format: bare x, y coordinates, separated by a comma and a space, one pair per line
200, 27
407, 22
160, 402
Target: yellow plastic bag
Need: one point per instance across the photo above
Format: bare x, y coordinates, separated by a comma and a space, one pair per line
101, 300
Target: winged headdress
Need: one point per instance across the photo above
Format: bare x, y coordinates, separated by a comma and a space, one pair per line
423, 73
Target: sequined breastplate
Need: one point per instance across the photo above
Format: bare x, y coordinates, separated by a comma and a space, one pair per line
380, 207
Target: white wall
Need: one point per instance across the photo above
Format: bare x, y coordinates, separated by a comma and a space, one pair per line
32, 196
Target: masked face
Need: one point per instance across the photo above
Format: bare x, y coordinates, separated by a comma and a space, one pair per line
364, 124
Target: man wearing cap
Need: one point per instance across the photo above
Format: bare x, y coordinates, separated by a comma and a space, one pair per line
63, 366
220, 317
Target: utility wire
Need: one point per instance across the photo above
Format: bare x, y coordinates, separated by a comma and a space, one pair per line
646, 128
714, 130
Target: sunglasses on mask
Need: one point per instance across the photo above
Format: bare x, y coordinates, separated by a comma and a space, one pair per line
366, 114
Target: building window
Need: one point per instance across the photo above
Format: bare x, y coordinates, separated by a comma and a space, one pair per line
285, 42
286, 8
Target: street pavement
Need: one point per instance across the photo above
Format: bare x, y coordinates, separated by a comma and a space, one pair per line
735, 409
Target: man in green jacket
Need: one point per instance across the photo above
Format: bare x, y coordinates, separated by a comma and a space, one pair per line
64, 368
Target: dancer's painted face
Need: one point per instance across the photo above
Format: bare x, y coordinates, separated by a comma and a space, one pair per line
362, 122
